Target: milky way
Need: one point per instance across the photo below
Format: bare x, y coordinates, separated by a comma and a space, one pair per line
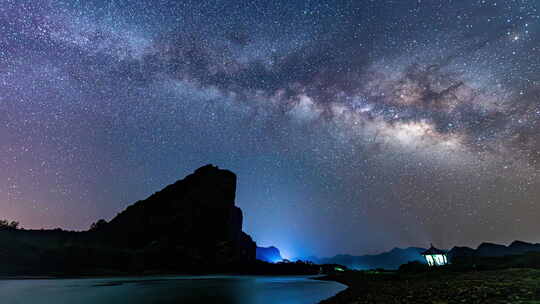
354, 126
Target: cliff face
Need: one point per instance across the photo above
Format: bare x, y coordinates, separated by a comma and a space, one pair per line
192, 225
196, 218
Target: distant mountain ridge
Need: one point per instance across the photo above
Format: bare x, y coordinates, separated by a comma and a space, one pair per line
394, 258
495, 250
268, 254
387, 260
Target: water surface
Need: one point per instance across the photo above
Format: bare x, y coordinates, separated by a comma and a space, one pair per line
168, 290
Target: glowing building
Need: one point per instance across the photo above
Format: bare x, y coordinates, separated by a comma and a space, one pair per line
435, 257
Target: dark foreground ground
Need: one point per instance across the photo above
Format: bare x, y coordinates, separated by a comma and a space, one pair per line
496, 286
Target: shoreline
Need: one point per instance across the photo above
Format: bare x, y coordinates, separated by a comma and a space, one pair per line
512, 285
335, 278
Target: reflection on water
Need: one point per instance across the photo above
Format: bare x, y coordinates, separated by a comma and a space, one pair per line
168, 290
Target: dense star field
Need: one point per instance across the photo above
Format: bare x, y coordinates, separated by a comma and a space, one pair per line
353, 126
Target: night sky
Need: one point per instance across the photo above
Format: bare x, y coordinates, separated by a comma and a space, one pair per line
353, 126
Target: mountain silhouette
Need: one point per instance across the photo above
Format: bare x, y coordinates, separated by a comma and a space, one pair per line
269, 254
192, 225
495, 250
386, 260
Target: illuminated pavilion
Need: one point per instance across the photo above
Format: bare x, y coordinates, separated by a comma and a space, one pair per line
435, 257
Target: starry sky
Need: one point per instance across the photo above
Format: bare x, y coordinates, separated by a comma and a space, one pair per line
353, 126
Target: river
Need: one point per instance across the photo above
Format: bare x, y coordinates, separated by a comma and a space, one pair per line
169, 290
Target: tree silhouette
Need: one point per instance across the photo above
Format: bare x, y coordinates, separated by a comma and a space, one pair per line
98, 225
5, 224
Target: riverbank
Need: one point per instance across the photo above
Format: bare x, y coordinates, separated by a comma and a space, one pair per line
498, 286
